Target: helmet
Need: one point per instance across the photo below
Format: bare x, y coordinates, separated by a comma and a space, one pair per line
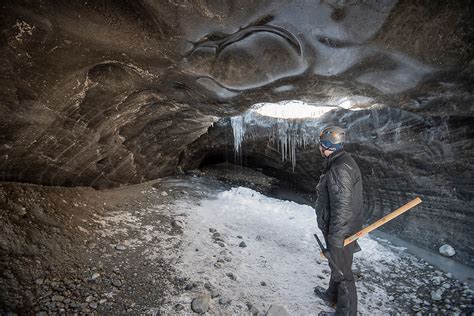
332, 138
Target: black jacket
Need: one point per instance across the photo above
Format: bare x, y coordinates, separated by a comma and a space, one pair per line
339, 204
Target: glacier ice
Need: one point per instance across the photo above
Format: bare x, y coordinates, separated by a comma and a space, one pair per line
290, 124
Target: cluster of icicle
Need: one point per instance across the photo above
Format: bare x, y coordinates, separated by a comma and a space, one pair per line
286, 132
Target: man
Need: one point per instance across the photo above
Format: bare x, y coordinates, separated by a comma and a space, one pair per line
339, 215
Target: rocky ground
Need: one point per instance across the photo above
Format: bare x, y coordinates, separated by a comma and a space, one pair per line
121, 251
68, 250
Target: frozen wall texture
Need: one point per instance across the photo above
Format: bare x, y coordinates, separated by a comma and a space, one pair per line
103, 93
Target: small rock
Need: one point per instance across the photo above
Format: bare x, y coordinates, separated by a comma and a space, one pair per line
116, 283
93, 305
215, 293
224, 301
89, 299
95, 276
178, 224
263, 283
447, 251
240, 237
231, 276
435, 296
227, 258
120, 247
164, 193
436, 280
243, 244
218, 265
200, 304
189, 286
212, 230
102, 301
277, 310
220, 243
57, 298
252, 309
178, 307
39, 281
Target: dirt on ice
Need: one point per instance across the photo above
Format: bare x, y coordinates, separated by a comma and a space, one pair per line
157, 247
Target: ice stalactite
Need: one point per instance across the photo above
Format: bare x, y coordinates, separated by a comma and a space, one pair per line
238, 128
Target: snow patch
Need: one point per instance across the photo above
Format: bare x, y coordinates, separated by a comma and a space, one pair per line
281, 252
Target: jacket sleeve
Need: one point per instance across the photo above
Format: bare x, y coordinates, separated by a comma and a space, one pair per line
321, 207
340, 196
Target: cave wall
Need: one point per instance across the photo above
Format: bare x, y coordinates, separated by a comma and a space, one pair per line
106, 93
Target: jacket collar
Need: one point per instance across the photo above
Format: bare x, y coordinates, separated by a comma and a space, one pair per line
334, 156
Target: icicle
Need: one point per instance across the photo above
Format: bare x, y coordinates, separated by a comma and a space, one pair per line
238, 129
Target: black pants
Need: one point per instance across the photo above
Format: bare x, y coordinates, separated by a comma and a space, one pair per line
342, 288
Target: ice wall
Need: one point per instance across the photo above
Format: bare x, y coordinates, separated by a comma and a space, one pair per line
288, 124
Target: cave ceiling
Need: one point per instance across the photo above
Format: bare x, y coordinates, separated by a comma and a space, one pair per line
103, 93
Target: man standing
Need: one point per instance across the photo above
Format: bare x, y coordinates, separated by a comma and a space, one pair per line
339, 215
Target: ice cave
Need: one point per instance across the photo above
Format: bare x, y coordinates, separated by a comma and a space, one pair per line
162, 157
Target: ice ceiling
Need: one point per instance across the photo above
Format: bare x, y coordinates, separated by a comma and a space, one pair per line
106, 93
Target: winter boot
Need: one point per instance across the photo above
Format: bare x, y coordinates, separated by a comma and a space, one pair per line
323, 294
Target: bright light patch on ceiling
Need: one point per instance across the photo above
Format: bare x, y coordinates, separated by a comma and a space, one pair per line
291, 110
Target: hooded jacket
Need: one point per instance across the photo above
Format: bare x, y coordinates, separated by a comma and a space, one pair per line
339, 203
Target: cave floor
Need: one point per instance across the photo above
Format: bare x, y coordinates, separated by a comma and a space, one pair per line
155, 247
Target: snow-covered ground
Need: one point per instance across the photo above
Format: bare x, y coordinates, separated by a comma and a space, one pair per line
280, 251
